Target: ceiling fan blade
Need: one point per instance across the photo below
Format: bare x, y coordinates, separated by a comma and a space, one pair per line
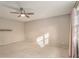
27, 16
19, 16
30, 13
15, 12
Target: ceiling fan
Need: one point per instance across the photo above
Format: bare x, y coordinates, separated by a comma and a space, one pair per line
21, 13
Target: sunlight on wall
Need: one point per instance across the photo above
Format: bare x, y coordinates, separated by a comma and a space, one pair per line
43, 40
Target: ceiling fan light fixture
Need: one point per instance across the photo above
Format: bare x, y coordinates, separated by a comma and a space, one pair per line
22, 15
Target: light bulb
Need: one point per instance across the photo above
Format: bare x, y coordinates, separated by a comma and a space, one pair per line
22, 15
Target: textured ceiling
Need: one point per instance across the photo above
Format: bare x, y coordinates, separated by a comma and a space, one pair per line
41, 9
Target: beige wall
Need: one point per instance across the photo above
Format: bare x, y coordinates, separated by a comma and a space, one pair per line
17, 33
57, 27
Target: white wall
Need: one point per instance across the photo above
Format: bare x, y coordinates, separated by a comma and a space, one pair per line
17, 33
57, 27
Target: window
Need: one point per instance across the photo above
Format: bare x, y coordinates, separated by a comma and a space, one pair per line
43, 40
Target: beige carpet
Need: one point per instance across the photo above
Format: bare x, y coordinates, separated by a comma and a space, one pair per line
24, 49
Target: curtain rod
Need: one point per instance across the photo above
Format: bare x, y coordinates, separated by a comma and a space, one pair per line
76, 4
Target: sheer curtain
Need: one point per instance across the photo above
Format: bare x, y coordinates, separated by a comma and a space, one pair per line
73, 42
